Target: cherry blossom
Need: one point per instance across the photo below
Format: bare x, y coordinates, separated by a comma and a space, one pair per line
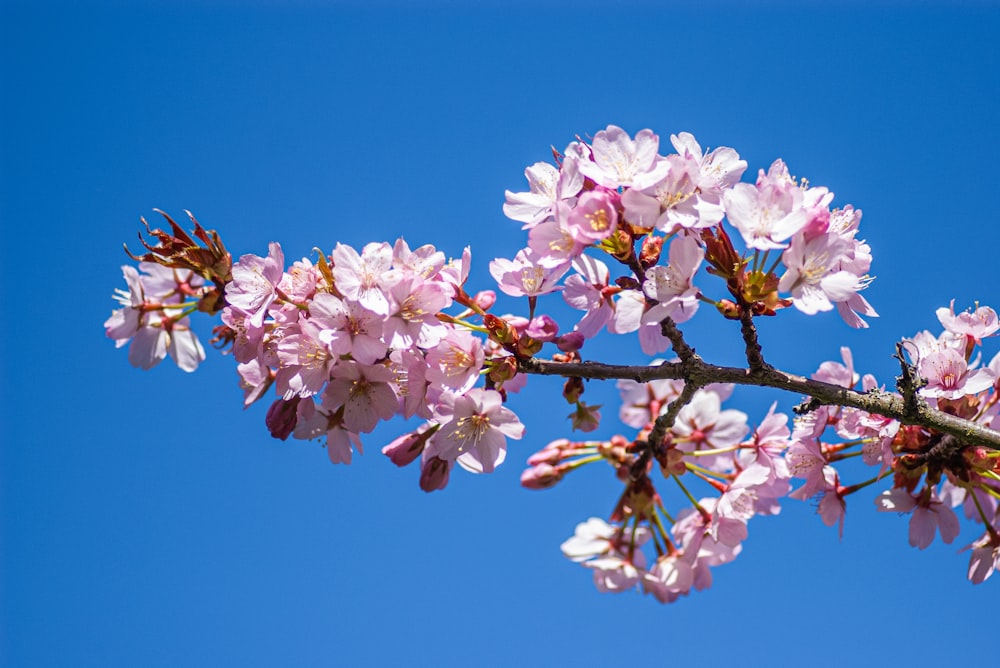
474, 430
615, 160
351, 339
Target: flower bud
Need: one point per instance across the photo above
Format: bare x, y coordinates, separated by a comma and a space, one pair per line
543, 328
485, 299
728, 309
434, 474
674, 463
281, 417
650, 253
570, 342
979, 456
628, 283
541, 476
406, 448
553, 453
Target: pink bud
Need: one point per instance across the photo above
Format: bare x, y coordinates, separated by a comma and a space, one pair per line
570, 342
485, 299
434, 474
405, 449
281, 417
541, 476
553, 453
543, 328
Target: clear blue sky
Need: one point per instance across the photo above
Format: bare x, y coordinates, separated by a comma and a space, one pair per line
148, 521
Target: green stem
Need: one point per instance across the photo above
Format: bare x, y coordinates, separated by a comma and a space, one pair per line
691, 498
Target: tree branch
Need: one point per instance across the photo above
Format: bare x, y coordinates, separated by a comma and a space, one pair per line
698, 372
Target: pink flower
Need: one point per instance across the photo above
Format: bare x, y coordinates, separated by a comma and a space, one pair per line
254, 281
949, 377
585, 418
615, 160
596, 538
770, 212
722, 168
425, 262
670, 578
524, 276
977, 325
985, 557
456, 361
305, 361
805, 459
553, 243
364, 392
475, 428
812, 275
348, 328
548, 186
671, 285
595, 216
589, 290
702, 425
362, 278
415, 304
929, 515
145, 319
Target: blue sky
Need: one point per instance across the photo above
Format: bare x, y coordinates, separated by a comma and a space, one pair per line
148, 520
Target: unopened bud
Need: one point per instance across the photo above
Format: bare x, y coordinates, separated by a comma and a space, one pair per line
570, 342
282, 416
674, 463
627, 283
485, 299
650, 253
728, 309
553, 453
434, 474
979, 456
406, 448
541, 476
543, 328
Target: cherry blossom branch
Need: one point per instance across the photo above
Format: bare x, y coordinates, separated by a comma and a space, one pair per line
698, 372
665, 421
748, 329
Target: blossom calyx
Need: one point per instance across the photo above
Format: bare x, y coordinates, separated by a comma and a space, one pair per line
503, 333
503, 369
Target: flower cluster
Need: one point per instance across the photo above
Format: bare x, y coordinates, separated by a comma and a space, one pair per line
359, 338
154, 316
622, 233
617, 191
749, 471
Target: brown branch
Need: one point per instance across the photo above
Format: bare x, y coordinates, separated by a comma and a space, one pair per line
666, 420
748, 329
698, 372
